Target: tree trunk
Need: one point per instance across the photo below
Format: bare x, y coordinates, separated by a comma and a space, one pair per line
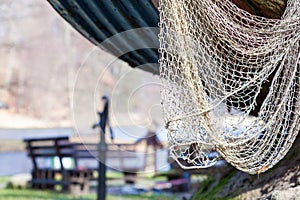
264, 8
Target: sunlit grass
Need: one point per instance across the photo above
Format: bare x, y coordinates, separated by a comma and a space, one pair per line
35, 194
29, 194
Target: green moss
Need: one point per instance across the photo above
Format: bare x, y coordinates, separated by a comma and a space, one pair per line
204, 189
208, 191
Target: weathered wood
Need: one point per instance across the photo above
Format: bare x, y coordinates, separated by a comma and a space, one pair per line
43, 177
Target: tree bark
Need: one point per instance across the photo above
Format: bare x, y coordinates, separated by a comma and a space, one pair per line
264, 8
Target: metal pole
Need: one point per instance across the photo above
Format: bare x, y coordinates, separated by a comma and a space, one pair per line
102, 148
102, 170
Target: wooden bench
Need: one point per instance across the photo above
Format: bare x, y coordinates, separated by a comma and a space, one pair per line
59, 162
54, 163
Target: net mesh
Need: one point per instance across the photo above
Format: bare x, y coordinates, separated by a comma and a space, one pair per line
215, 58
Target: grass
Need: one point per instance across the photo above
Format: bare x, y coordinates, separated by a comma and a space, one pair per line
113, 175
28, 194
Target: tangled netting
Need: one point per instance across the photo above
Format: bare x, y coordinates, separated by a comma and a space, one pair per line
215, 58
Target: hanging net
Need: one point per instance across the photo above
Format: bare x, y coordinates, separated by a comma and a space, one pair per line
215, 59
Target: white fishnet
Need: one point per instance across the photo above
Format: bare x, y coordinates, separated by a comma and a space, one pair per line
214, 59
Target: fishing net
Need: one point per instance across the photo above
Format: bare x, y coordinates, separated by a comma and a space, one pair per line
215, 58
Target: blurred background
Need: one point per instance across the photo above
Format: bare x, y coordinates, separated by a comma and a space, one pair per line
41, 57
51, 83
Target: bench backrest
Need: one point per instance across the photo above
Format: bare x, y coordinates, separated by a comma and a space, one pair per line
119, 156
48, 148
122, 157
